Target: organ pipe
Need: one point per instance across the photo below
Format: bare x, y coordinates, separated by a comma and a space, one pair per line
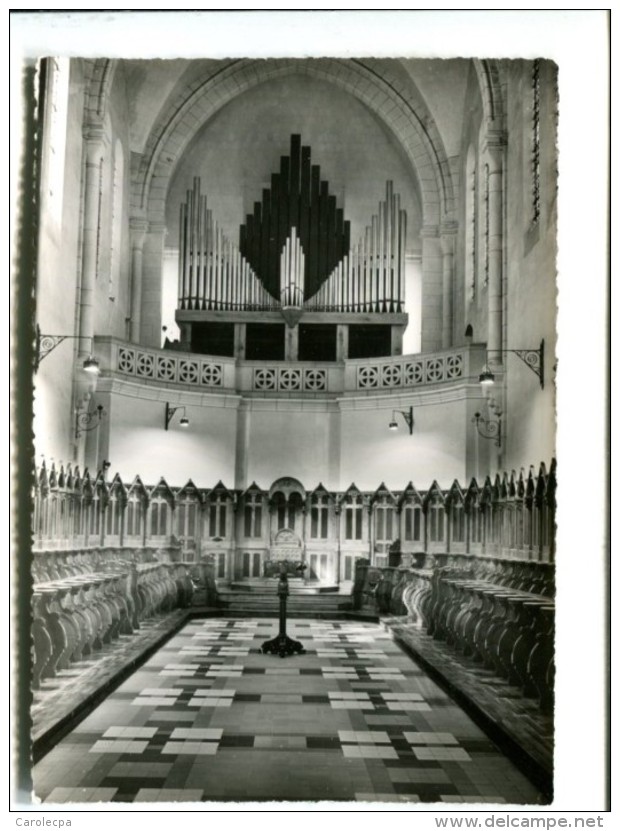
372, 277
213, 274
367, 277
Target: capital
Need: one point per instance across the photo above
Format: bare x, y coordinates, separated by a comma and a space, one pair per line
448, 233
138, 227
157, 226
494, 146
429, 232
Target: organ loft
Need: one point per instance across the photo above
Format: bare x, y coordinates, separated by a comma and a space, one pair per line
294, 288
294, 317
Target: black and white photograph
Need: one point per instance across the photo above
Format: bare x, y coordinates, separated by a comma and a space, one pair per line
295, 385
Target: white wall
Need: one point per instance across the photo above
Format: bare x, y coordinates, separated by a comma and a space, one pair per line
372, 453
135, 441
236, 152
258, 439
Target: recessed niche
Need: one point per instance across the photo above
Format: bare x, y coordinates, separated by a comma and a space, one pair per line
370, 340
317, 342
213, 338
264, 342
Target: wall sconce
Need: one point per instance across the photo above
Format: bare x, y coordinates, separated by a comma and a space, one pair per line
489, 429
45, 344
82, 420
407, 415
170, 411
533, 358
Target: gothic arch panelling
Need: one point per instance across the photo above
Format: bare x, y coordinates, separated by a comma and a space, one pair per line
405, 115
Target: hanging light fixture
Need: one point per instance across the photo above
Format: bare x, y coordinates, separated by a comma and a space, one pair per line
83, 420
533, 358
91, 365
44, 344
170, 411
407, 415
488, 428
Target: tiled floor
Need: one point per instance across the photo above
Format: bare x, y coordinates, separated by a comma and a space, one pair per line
504, 706
59, 697
210, 718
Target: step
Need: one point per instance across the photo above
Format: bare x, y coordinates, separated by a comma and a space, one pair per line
260, 585
291, 607
267, 602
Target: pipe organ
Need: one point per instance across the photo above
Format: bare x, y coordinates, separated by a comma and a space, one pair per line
293, 250
371, 277
292, 272
294, 259
213, 274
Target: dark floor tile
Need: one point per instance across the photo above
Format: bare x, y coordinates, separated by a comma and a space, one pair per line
323, 743
240, 740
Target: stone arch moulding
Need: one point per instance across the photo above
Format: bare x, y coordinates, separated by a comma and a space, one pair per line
102, 77
287, 486
413, 127
487, 72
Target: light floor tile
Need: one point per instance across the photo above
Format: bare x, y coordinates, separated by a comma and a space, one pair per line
430, 738
442, 754
279, 734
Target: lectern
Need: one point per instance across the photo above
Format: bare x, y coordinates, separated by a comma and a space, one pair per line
282, 645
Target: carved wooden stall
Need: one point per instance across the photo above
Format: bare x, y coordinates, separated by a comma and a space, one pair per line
489, 594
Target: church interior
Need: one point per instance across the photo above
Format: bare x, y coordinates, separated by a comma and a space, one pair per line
295, 326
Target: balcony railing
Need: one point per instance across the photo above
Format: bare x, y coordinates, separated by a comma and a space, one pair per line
363, 375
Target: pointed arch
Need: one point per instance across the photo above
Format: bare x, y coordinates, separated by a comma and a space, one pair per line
403, 111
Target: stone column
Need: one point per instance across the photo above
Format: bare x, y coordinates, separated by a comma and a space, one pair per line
138, 232
185, 336
448, 232
371, 531
291, 343
432, 289
152, 271
338, 529
396, 342
342, 342
239, 341
494, 153
242, 444
94, 144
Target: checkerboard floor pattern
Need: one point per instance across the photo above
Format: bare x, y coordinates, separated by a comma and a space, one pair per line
209, 718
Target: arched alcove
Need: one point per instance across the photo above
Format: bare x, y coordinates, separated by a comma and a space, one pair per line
239, 147
236, 151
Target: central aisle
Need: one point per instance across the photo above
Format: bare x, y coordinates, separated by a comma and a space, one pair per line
210, 718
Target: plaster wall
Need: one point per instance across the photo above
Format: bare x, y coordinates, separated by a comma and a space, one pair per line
443, 85
292, 438
236, 152
529, 274
57, 288
135, 441
112, 291
240, 441
372, 453
531, 292
468, 310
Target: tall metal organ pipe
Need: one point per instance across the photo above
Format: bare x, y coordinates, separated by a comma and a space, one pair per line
214, 275
371, 278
